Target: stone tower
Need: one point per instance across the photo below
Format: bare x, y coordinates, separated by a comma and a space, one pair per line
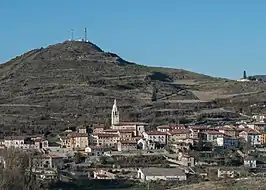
115, 115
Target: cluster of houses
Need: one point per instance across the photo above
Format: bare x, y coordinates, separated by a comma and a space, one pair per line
130, 136
126, 136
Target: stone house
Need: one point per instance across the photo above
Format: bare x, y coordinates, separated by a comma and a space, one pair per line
75, 140
106, 139
177, 135
49, 161
126, 134
210, 136
126, 145
156, 136
196, 129
98, 128
228, 130
97, 150
253, 137
103, 174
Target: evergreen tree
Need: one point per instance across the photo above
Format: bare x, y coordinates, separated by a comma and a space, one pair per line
244, 75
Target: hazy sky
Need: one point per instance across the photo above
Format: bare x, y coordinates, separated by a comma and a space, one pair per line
218, 38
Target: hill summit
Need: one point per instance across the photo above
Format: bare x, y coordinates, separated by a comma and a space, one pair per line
49, 89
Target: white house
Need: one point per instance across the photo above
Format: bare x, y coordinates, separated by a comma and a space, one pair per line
153, 174
250, 162
14, 141
259, 118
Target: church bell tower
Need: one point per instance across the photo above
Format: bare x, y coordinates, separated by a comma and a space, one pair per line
115, 115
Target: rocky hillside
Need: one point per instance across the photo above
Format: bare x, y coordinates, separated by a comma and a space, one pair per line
60, 86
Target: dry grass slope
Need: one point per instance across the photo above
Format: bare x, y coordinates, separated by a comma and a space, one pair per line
51, 88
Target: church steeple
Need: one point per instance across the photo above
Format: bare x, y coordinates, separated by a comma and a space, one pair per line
115, 114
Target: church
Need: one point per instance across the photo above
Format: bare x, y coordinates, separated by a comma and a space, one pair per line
137, 127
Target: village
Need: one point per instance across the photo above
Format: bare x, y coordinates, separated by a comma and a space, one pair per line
127, 150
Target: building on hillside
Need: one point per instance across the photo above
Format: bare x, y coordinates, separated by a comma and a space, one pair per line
259, 117
51, 161
250, 162
210, 135
228, 130
106, 139
156, 136
126, 145
14, 141
82, 129
126, 134
263, 137
180, 146
75, 140
154, 174
169, 127
97, 150
186, 160
226, 173
260, 126
138, 127
98, 128
228, 142
177, 135
196, 129
102, 174
251, 136
146, 144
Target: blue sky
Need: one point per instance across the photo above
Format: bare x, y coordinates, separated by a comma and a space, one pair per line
218, 38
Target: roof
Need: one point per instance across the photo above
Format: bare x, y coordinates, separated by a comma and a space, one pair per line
106, 134
14, 138
131, 123
100, 125
260, 123
251, 131
179, 131
128, 142
111, 130
156, 133
170, 126
152, 171
227, 128
198, 127
75, 134
126, 130
213, 132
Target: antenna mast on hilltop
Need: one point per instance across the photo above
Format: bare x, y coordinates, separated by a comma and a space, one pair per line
85, 34
72, 34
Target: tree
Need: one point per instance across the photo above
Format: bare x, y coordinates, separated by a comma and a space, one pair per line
154, 96
17, 171
244, 75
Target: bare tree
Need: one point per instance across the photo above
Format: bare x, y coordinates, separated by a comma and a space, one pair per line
17, 171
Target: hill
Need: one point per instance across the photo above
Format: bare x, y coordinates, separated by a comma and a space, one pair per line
259, 77
63, 85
